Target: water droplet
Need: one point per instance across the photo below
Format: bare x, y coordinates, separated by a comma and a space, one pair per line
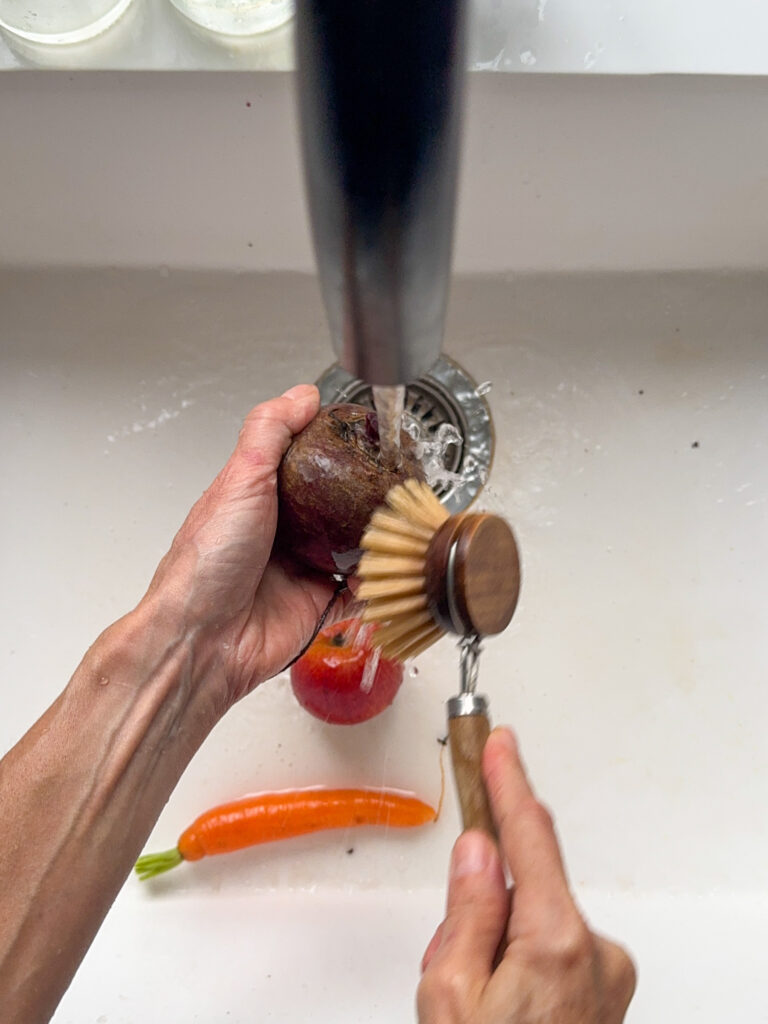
103, 680
413, 671
528, 57
483, 389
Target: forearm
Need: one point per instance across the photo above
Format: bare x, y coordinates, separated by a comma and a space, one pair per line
80, 793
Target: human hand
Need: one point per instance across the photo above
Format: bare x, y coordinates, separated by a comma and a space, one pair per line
553, 969
248, 610
222, 613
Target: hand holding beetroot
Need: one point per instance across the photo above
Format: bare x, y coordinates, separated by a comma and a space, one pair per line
248, 608
331, 480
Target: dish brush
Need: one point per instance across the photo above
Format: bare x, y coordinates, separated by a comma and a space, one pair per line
425, 573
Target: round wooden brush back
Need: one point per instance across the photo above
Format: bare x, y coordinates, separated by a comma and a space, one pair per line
473, 574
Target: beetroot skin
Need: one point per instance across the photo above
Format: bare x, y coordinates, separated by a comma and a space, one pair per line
329, 483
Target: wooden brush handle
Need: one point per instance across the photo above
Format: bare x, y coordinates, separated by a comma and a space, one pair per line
468, 734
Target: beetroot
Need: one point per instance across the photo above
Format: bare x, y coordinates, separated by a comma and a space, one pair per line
329, 483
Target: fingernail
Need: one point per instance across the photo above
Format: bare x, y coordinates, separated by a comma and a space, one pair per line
297, 391
471, 855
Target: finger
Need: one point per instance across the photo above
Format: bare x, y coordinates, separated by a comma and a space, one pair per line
526, 833
336, 602
270, 426
476, 912
250, 475
295, 605
244, 491
344, 607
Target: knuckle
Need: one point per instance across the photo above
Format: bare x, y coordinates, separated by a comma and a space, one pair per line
259, 411
538, 814
623, 973
267, 415
444, 992
574, 945
530, 815
568, 946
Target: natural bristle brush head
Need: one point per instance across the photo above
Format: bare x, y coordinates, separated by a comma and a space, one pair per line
425, 573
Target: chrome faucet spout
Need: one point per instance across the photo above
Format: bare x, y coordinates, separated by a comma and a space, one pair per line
380, 96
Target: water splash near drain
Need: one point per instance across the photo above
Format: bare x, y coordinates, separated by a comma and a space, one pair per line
370, 670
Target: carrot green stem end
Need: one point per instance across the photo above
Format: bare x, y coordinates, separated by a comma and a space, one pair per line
152, 864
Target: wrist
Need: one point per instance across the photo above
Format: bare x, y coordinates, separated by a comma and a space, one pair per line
152, 666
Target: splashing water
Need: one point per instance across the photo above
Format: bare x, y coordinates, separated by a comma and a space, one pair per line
360, 632
369, 672
432, 451
436, 450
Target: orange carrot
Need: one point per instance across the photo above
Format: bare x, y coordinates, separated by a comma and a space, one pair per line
265, 817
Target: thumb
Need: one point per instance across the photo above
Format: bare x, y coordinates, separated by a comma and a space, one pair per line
270, 427
476, 915
251, 471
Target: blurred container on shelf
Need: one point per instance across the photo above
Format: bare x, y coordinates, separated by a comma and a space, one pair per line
57, 23
237, 17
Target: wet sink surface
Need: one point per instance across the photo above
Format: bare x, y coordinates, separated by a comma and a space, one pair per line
630, 414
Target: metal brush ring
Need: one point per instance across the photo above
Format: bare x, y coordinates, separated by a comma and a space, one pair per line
450, 589
468, 702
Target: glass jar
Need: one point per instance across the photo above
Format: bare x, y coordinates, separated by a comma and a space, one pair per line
237, 17
52, 21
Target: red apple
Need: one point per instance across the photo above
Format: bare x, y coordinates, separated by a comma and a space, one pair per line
330, 680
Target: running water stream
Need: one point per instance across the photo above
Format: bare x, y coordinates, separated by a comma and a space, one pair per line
389, 401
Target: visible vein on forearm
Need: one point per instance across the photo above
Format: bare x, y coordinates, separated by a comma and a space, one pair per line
78, 812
